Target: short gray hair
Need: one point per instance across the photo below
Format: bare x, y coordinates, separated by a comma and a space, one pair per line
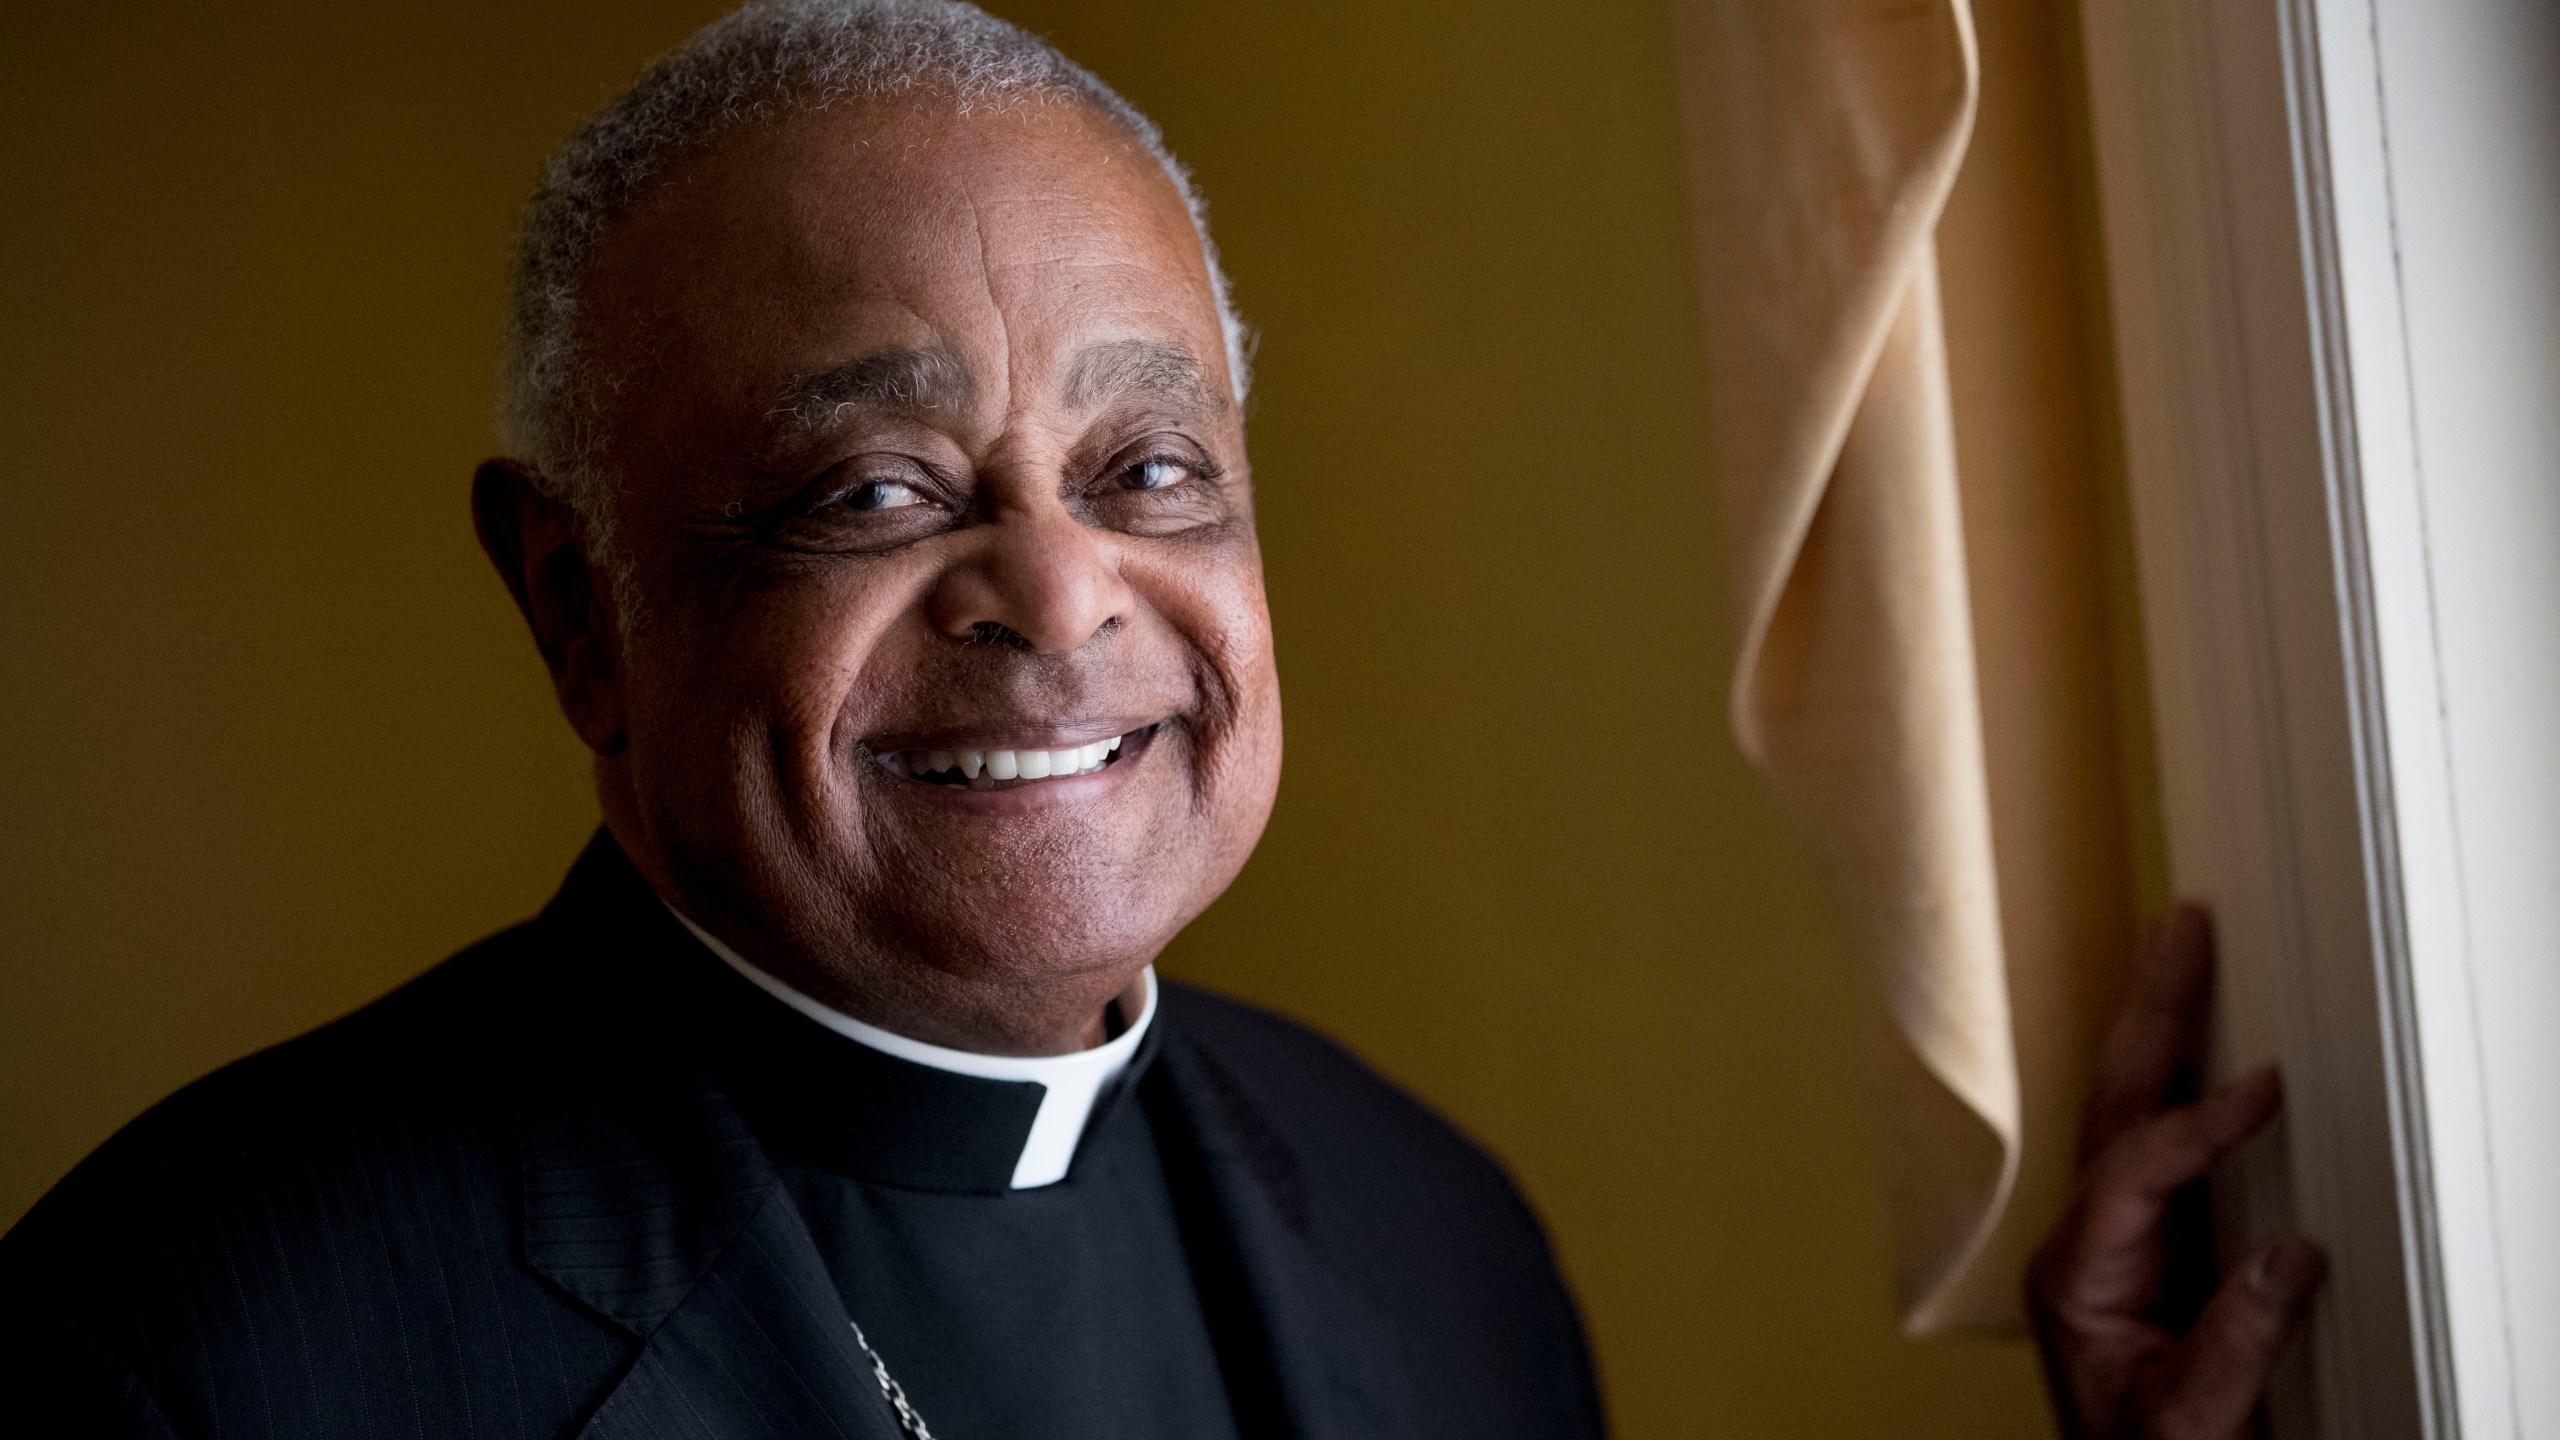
768, 59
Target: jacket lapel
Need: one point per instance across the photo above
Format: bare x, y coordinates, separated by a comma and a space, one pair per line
1331, 1354
646, 1199
761, 1347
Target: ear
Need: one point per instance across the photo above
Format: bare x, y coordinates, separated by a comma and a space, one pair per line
536, 543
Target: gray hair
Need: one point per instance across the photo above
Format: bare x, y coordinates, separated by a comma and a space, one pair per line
768, 59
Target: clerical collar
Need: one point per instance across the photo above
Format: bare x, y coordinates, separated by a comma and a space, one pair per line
1071, 1085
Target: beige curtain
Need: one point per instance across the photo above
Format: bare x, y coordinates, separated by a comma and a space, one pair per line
1826, 135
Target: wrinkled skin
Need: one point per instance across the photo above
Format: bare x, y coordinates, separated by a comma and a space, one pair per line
925, 436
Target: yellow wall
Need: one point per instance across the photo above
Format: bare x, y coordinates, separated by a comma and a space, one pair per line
270, 739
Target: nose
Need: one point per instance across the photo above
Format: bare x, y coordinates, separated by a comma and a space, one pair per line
1038, 573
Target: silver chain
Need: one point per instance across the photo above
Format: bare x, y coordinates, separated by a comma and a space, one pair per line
910, 1423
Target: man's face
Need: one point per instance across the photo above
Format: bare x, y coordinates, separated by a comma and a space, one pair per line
929, 464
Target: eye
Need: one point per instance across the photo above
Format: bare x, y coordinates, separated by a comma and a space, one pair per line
1154, 475
882, 495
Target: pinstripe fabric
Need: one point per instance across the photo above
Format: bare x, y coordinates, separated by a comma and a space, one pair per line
505, 1202
762, 1347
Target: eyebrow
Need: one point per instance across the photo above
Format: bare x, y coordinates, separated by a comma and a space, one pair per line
894, 379
1135, 367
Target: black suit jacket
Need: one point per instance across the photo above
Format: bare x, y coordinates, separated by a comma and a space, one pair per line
506, 1200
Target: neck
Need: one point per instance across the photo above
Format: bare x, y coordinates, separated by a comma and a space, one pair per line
923, 1004
975, 1009
1135, 1011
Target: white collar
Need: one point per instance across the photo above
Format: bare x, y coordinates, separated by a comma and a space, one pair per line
1074, 1082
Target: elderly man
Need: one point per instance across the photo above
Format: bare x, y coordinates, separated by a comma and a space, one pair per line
881, 510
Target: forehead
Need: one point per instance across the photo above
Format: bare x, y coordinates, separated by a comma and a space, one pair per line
1014, 238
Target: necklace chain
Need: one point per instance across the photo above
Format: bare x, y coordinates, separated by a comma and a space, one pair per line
910, 1423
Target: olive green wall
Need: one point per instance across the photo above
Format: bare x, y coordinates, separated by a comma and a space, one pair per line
270, 740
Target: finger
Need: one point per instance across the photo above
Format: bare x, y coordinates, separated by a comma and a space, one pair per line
2149, 1163
2107, 1250
2160, 1033
2224, 1364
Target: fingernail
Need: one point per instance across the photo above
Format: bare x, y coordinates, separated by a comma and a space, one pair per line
2287, 1268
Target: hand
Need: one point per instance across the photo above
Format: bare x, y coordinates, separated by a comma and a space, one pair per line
2102, 1292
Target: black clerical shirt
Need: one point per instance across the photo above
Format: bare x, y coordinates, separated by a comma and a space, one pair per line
1065, 1311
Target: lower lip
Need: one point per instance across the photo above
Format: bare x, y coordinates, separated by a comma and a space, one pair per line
1039, 794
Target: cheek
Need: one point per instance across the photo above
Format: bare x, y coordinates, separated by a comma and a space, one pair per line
1212, 597
1215, 601
770, 673
1240, 645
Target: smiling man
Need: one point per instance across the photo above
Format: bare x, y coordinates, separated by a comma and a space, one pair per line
879, 504
931, 668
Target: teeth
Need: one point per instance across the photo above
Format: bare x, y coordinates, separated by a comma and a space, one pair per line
995, 765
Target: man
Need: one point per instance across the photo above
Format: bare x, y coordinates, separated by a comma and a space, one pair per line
879, 504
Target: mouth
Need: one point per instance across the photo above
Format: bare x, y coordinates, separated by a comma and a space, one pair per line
1013, 767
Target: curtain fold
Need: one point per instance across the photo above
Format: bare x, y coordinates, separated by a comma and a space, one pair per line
1825, 135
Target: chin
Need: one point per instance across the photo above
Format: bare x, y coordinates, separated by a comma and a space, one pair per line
1055, 900
1023, 947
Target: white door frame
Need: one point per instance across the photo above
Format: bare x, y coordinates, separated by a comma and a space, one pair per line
2289, 585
